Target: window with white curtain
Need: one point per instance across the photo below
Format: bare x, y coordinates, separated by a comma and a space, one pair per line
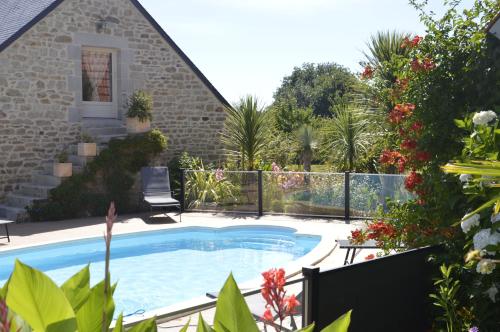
97, 75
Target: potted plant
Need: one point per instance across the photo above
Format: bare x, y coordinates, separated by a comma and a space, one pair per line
87, 147
63, 168
139, 114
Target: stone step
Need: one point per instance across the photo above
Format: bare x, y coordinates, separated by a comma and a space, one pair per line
79, 160
96, 132
12, 213
19, 201
29, 189
46, 180
106, 138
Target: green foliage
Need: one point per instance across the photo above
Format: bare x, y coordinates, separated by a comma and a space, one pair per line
36, 303
62, 157
244, 133
383, 48
109, 177
204, 187
140, 105
288, 117
315, 87
85, 138
446, 298
348, 136
306, 137
232, 314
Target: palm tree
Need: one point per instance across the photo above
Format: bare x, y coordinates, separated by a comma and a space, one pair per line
244, 131
349, 135
307, 142
382, 47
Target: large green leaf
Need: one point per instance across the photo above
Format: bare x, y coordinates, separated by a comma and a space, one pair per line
185, 328
309, 328
77, 288
203, 326
232, 313
145, 326
90, 315
340, 325
119, 324
38, 300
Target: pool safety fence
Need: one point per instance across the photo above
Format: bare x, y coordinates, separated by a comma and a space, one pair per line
334, 195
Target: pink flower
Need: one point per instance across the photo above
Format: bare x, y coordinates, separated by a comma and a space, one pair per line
275, 167
219, 175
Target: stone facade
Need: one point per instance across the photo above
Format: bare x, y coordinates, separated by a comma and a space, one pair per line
41, 86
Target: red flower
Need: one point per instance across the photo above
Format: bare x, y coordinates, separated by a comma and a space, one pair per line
400, 112
423, 156
401, 164
291, 303
378, 230
417, 127
425, 65
369, 257
411, 43
409, 144
268, 315
428, 64
413, 180
367, 72
402, 83
357, 237
416, 40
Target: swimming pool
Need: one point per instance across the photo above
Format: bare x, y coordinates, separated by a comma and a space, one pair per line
160, 268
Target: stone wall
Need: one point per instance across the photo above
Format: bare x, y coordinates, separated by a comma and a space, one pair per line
40, 86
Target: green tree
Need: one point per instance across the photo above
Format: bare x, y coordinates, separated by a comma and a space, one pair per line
348, 136
244, 133
317, 86
307, 144
383, 47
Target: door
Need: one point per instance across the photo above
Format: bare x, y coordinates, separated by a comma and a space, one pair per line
99, 90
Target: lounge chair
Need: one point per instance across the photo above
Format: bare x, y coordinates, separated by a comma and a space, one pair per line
156, 188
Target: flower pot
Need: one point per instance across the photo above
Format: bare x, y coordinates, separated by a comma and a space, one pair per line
134, 126
87, 149
63, 170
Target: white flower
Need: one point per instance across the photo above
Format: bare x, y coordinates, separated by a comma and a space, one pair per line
485, 266
465, 177
483, 238
470, 222
484, 117
492, 293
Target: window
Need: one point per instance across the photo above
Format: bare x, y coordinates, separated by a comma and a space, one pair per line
97, 75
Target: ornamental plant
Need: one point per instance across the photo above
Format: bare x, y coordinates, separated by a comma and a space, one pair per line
140, 105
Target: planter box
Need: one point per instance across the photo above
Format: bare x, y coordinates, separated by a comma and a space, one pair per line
134, 126
63, 170
87, 149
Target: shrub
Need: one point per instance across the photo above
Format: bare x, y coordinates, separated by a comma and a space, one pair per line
109, 177
140, 105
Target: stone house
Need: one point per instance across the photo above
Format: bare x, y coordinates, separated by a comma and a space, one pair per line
68, 66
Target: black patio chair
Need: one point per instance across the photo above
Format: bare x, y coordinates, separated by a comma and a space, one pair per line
156, 189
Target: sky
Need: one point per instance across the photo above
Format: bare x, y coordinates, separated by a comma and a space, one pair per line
249, 46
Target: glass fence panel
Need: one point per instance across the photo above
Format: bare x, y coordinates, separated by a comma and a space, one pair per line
370, 192
224, 191
298, 193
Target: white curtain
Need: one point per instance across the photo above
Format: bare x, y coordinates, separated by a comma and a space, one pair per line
96, 67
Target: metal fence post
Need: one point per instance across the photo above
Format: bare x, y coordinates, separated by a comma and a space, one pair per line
310, 293
259, 192
183, 183
347, 197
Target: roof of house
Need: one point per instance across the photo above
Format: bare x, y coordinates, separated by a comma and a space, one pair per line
18, 16
490, 25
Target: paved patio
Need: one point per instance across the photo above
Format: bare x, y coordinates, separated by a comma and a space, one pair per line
29, 234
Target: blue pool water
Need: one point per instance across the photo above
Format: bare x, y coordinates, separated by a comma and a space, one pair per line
160, 268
